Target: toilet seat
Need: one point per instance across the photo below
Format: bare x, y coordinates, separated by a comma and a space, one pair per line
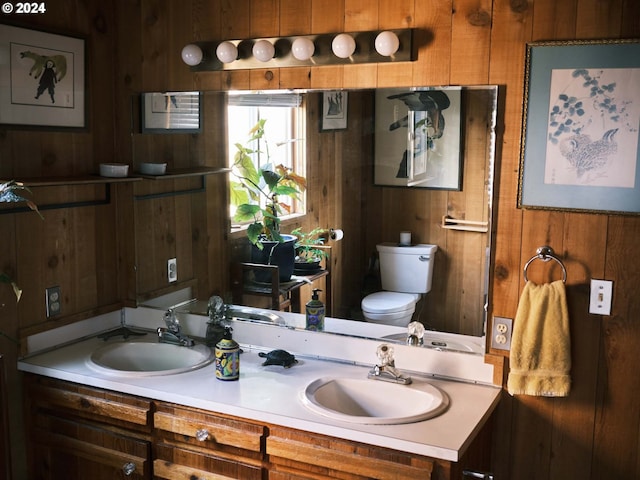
389, 302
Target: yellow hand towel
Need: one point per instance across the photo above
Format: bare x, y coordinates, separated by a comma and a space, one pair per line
540, 346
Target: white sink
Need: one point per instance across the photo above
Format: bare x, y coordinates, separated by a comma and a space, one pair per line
367, 401
141, 359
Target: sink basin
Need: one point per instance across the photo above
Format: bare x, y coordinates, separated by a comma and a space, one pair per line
366, 401
141, 359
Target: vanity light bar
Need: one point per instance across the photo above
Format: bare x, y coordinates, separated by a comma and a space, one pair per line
302, 50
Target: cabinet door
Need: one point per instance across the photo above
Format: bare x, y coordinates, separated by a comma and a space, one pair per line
89, 403
75, 450
202, 429
195, 444
300, 455
176, 463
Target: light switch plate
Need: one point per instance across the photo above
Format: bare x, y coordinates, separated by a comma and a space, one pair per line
600, 297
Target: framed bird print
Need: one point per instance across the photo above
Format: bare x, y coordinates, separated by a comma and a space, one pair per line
42, 80
580, 131
418, 138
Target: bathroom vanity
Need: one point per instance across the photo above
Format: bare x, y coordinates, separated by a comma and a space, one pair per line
87, 423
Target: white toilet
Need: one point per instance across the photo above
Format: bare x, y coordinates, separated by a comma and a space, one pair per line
406, 273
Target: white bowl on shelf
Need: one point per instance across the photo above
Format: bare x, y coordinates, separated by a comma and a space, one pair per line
149, 168
114, 169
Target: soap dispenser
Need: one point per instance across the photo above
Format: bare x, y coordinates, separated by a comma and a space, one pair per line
227, 357
315, 312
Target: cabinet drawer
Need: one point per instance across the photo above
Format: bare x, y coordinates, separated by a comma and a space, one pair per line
292, 451
72, 449
175, 463
86, 402
207, 430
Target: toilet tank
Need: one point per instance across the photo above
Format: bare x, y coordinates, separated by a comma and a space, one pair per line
407, 269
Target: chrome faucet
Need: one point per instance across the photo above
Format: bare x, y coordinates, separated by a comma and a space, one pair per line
386, 370
172, 333
217, 312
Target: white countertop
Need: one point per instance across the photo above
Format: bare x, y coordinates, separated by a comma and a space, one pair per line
271, 395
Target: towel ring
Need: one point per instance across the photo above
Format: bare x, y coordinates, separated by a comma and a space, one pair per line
545, 254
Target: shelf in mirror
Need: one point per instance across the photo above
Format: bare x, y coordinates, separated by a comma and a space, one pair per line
184, 172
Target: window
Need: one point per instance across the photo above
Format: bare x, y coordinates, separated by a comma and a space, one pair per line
282, 142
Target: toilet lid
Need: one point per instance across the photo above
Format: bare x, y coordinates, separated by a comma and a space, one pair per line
389, 302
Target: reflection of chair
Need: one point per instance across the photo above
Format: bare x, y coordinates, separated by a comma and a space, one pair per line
243, 283
276, 295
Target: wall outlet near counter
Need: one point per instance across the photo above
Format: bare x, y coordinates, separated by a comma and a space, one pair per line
53, 301
172, 270
501, 333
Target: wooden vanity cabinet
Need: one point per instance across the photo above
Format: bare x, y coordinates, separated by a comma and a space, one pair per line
78, 432
195, 444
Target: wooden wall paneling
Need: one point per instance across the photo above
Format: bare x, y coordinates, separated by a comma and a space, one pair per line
264, 18
84, 269
434, 44
598, 20
154, 25
295, 17
615, 452
100, 60
630, 19
470, 42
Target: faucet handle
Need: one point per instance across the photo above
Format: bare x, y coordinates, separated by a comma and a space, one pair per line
385, 355
171, 320
415, 332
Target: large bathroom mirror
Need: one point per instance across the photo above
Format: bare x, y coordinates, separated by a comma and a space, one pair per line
404, 159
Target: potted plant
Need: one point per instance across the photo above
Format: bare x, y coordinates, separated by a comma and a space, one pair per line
308, 255
255, 192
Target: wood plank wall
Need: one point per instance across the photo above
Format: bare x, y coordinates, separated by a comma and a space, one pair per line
134, 46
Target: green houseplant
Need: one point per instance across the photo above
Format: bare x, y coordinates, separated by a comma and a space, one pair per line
306, 246
256, 193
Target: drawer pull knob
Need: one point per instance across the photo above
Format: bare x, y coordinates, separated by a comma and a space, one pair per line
128, 468
202, 434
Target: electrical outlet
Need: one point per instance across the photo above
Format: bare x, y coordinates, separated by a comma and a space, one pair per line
501, 333
53, 301
600, 297
172, 270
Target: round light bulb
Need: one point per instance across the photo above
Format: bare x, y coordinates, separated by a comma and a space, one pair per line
191, 54
263, 50
387, 43
227, 52
302, 48
343, 45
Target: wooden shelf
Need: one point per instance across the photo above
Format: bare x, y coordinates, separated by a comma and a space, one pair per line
184, 172
80, 180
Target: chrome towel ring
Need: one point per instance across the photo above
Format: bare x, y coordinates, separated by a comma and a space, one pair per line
545, 254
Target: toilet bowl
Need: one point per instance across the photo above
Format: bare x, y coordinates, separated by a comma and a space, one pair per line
390, 308
406, 273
